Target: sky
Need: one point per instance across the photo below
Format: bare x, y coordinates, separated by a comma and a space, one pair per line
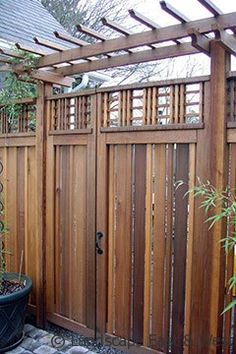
191, 8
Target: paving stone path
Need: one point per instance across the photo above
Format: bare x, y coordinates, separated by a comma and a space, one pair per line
38, 341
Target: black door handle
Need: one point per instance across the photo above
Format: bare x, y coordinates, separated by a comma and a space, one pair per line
99, 235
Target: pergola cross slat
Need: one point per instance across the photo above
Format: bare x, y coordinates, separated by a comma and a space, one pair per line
118, 28
146, 21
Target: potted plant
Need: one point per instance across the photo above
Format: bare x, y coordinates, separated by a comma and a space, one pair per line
14, 293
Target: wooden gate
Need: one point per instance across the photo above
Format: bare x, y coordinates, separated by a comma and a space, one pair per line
70, 247
144, 272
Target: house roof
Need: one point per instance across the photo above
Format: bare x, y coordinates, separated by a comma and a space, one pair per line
21, 20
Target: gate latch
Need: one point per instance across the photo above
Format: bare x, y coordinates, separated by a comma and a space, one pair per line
99, 235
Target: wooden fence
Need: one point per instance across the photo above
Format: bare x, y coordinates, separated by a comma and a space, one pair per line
107, 160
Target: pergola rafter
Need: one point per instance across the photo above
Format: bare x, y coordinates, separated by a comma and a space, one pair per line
109, 53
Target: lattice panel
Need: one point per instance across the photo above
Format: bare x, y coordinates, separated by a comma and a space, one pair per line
231, 100
20, 118
70, 113
174, 104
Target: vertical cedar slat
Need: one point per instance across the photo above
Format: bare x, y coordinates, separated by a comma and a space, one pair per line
124, 108
79, 235
189, 254
180, 243
154, 117
70, 227
26, 182
111, 243
120, 109
201, 102
20, 159
105, 101
51, 228
231, 102
149, 105
139, 240
176, 104
31, 219
123, 240
159, 242
169, 245
144, 120
147, 256
129, 105
182, 104
57, 280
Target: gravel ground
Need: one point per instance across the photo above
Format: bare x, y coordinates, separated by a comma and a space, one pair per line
61, 334
81, 340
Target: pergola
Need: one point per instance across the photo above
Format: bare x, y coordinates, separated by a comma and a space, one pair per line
188, 37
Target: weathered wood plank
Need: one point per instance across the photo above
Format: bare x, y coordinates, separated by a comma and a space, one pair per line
139, 240
180, 244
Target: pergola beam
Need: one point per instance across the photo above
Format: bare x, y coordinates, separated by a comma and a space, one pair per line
49, 44
30, 49
118, 28
73, 40
139, 39
52, 78
91, 32
211, 7
199, 41
10, 53
70, 39
226, 40
145, 21
129, 59
173, 12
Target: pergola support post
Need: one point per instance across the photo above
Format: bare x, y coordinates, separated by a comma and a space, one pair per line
208, 268
44, 89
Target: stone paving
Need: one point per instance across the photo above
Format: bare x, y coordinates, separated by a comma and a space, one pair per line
38, 341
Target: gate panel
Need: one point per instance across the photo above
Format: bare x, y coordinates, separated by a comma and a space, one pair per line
70, 249
146, 244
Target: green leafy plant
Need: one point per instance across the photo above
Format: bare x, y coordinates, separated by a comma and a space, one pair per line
15, 89
221, 206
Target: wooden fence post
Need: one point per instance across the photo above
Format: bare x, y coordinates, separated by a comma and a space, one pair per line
208, 254
41, 136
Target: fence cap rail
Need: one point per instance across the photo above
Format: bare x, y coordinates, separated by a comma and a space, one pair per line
134, 86
31, 101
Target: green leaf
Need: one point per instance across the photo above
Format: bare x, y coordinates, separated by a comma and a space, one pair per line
229, 306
